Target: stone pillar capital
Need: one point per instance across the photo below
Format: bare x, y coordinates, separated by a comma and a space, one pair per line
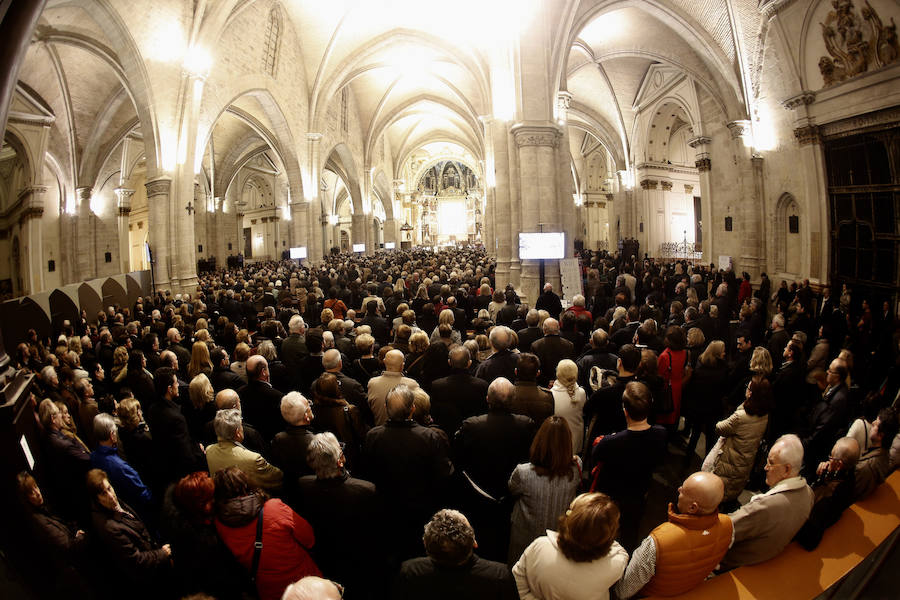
808, 135
703, 164
739, 128
700, 140
158, 187
535, 135
688, 189
123, 199
314, 137
83, 193
563, 99
649, 184
804, 98
666, 186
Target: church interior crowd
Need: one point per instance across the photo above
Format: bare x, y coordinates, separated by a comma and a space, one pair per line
291, 431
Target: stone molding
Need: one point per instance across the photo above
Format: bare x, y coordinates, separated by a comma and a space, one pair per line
804, 98
769, 7
649, 184
703, 164
83, 193
609, 197
536, 135
314, 137
700, 140
682, 170
807, 135
666, 186
158, 187
688, 189
563, 100
739, 128
854, 125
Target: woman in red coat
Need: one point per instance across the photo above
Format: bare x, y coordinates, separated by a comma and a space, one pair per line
286, 536
745, 292
671, 369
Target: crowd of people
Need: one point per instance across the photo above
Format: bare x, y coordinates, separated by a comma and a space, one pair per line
396, 426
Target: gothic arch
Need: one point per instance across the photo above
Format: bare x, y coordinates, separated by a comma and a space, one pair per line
340, 160
788, 246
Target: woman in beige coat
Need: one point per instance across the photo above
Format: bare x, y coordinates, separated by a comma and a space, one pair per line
740, 436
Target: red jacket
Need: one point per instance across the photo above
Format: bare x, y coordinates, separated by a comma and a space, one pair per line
286, 537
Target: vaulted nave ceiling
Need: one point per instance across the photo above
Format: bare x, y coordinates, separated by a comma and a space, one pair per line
418, 71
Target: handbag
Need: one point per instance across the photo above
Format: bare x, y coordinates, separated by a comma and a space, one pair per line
257, 546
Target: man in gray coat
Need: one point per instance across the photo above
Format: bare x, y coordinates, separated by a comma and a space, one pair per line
766, 525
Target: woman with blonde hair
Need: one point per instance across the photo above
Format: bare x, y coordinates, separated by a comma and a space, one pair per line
202, 408
200, 362
241, 354
568, 401
446, 317
120, 364
760, 363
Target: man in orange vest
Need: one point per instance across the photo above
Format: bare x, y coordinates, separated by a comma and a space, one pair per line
678, 555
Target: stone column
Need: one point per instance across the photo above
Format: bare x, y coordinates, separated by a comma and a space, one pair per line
358, 230
390, 232
86, 241
158, 193
219, 232
539, 203
646, 209
750, 224
123, 209
701, 145
813, 206
315, 234
300, 225
31, 239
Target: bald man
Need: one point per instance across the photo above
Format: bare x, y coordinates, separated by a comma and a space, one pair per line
766, 525
380, 386
260, 402
313, 588
679, 554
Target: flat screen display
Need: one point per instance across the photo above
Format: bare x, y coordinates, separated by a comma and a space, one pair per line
390, 245
298, 253
359, 247
533, 246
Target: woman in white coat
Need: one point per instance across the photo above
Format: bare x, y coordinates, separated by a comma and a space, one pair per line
568, 401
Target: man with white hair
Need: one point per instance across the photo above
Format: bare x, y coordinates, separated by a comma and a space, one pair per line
766, 525
549, 301
353, 391
290, 446
388, 380
229, 451
293, 348
778, 340
313, 588
551, 349
502, 363
333, 491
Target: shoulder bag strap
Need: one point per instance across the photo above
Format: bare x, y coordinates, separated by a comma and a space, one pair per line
258, 546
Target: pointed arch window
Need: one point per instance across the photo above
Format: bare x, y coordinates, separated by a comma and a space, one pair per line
272, 42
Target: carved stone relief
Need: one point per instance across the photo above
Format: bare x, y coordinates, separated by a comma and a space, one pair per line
852, 48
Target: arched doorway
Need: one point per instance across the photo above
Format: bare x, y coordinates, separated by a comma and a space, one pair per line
788, 246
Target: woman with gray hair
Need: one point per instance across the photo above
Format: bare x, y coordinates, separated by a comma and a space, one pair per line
341, 508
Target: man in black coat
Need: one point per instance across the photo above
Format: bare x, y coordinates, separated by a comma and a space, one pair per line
260, 401
530, 399
222, 376
598, 356
289, 447
531, 333
603, 410
625, 335
459, 395
549, 301
381, 328
502, 363
346, 514
488, 447
828, 418
184, 355
452, 569
409, 465
788, 391
176, 452
551, 349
